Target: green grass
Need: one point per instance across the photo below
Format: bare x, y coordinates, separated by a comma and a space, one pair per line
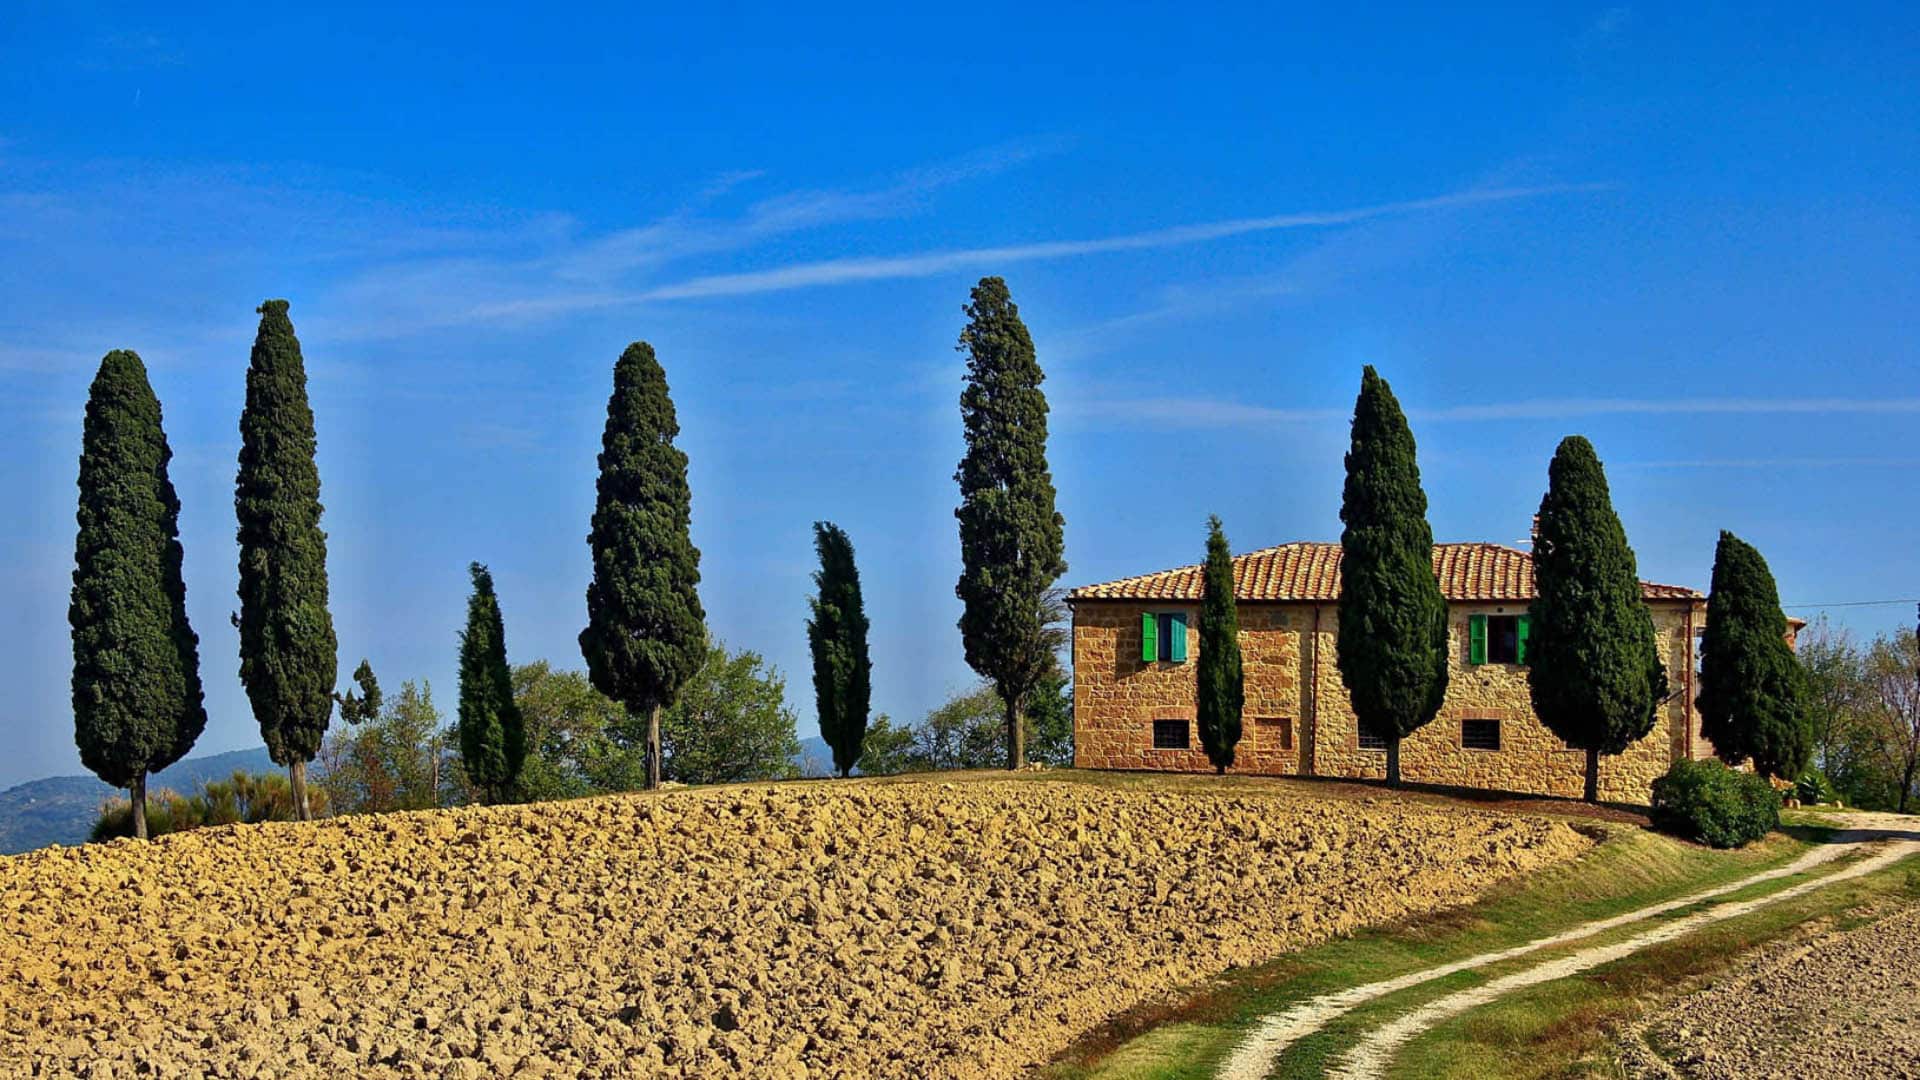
1563, 1028
1630, 868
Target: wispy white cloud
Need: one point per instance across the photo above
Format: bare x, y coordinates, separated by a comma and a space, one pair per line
927, 264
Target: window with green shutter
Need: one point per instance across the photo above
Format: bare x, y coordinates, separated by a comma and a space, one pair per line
1524, 628
1163, 636
1496, 639
1476, 639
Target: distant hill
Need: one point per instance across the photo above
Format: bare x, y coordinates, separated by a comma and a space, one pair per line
61, 809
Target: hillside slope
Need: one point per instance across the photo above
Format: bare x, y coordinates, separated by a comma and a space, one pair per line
62, 809
925, 928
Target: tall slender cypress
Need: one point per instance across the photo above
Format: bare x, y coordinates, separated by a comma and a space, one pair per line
287, 646
1012, 539
1222, 689
1752, 689
1393, 619
837, 635
646, 632
1594, 665
137, 702
493, 737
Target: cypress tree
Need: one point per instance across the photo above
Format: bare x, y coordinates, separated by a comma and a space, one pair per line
837, 634
493, 738
137, 703
646, 632
359, 708
1222, 690
1752, 690
1393, 619
287, 647
1012, 543
1594, 666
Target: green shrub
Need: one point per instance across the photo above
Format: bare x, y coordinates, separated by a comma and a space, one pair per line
244, 798
1814, 789
1707, 802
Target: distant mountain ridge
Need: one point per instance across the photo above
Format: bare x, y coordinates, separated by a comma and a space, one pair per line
62, 809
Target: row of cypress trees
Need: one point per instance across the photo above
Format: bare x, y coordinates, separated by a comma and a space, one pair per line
1594, 669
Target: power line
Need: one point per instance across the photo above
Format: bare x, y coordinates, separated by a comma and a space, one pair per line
1854, 603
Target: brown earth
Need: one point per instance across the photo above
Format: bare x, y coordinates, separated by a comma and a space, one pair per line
934, 928
1823, 1004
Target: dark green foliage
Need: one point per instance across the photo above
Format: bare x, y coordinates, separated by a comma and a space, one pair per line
1392, 649
1814, 789
837, 634
137, 700
1593, 663
1222, 691
358, 708
888, 748
493, 740
287, 646
730, 722
1753, 694
646, 631
1709, 803
1050, 721
243, 799
1012, 542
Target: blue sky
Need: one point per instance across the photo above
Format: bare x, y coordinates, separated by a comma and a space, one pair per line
1693, 237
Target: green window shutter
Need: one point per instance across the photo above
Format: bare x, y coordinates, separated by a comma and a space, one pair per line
1177, 628
1149, 637
1476, 639
1526, 627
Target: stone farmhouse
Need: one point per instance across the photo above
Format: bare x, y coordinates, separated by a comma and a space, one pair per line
1135, 641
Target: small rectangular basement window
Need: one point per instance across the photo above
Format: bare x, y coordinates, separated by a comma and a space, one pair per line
1480, 734
1170, 735
1369, 741
1497, 639
1273, 732
1163, 636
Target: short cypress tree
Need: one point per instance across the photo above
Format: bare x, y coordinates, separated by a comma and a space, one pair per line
1222, 690
493, 738
137, 702
1393, 619
287, 647
1012, 541
363, 706
1594, 665
646, 632
1752, 690
837, 634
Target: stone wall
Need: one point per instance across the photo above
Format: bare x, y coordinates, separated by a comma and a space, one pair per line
1117, 697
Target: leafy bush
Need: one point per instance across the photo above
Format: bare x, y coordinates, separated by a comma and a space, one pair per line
1714, 805
244, 798
1814, 789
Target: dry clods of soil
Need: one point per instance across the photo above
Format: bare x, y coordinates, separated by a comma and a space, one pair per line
846, 929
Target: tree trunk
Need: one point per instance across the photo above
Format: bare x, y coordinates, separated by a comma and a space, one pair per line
1393, 762
1016, 736
1593, 774
137, 796
433, 791
1906, 783
653, 749
297, 778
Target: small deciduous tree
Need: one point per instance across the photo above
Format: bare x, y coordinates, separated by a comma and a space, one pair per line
1752, 691
1222, 690
137, 699
1594, 667
837, 635
1392, 649
389, 758
646, 630
579, 741
287, 645
1012, 540
730, 722
492, 738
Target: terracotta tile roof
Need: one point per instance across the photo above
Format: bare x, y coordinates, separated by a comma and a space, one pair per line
1311, 572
